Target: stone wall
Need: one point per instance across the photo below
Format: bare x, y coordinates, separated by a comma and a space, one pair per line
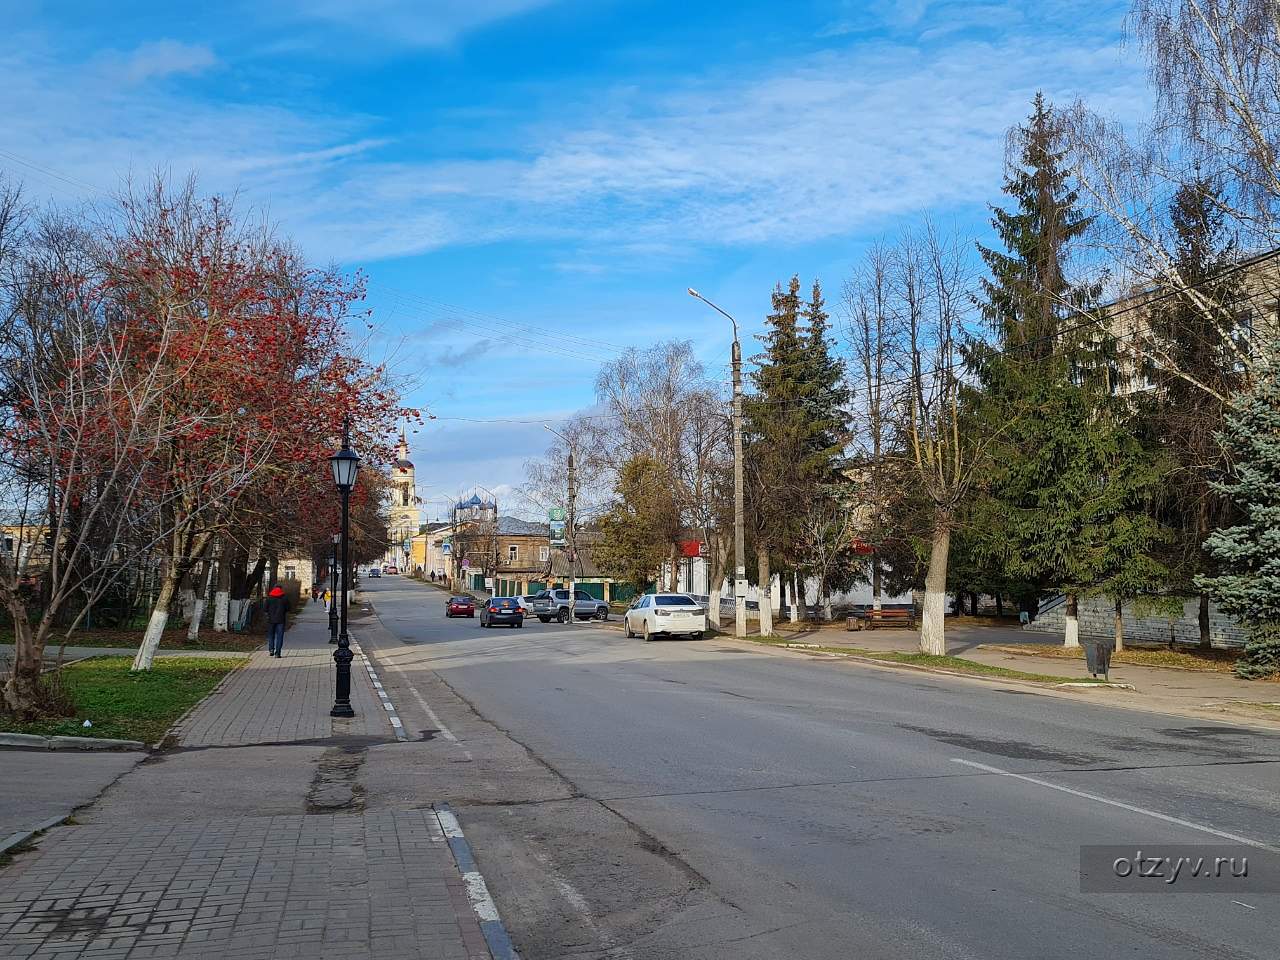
1097, 619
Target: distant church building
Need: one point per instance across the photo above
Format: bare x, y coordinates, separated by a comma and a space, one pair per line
404, 504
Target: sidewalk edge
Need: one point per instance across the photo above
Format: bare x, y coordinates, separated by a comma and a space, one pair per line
22, 836
486, 911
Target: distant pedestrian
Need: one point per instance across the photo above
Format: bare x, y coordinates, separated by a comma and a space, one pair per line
277, 609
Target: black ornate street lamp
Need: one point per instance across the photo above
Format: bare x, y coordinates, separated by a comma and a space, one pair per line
333, 589
345, 464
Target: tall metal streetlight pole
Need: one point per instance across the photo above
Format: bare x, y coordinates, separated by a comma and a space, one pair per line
739, 558
571, 550
344, 464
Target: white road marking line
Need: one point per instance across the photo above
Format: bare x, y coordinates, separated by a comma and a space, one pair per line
387, 705
426, 707
1117, 803
1243, 904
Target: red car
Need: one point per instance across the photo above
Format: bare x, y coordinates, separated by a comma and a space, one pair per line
460, 607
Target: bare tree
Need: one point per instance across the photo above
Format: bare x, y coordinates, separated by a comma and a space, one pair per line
930, 301
871, 320
827, 528
1215, 68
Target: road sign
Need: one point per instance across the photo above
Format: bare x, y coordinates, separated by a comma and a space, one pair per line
556, 515
557, 533
466, 564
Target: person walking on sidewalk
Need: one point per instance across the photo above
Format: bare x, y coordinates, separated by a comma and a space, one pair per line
277, 609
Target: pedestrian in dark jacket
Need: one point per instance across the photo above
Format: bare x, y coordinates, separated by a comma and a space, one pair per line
277, 609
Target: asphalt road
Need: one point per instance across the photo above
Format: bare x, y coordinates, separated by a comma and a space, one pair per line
703, 799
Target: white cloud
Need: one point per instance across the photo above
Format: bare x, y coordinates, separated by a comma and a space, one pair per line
159, 59
839, 142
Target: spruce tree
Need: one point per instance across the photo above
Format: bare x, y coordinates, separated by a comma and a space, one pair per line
1069, 503
777, 437
1193, 335
1247, 584
826, 394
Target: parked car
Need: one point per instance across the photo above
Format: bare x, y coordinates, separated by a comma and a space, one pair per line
375, 572
527, 603
665, 614
554, 605
460, 607
390, 569
502, 610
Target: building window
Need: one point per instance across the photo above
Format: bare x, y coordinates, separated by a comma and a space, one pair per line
291, 573
513, 553
544, 554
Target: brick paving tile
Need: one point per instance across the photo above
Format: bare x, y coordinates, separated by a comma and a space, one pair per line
392, 858
281, 700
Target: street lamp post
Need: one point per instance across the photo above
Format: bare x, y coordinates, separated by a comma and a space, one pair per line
739, 558
333, 589
344, 464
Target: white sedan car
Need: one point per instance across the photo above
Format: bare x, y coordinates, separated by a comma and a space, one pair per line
666, 614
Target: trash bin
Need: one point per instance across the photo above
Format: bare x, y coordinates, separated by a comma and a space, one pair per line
1097, 655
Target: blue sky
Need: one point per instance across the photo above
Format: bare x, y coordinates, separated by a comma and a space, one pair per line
531, 185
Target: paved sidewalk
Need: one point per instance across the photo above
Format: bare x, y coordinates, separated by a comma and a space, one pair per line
161, 865
285, 699
1165, 689
346, 887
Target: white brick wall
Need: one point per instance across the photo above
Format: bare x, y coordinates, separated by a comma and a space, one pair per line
1097, 619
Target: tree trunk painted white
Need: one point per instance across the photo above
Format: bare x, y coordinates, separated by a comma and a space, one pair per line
713, 606
193, 628
933, 638
826, 603
1072, 637
876, 589
764, 593
197, 615
797, 600
221, 611
155, 626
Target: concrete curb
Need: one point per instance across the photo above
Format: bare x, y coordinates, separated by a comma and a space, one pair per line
38, 742
22, 836
486, 911
815, 651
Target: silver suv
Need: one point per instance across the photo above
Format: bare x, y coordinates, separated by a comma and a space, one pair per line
554, 605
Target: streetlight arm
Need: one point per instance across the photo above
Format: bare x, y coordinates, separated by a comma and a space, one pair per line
697, 296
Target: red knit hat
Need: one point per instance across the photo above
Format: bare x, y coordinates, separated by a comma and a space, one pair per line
276, 592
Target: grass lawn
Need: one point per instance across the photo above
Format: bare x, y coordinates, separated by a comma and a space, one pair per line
1187, 658
130, 706
175, 639
957, 664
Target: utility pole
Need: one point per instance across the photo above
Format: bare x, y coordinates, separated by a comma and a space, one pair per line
739, 522
571, 542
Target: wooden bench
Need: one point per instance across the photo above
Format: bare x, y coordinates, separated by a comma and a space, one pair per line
885, 617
